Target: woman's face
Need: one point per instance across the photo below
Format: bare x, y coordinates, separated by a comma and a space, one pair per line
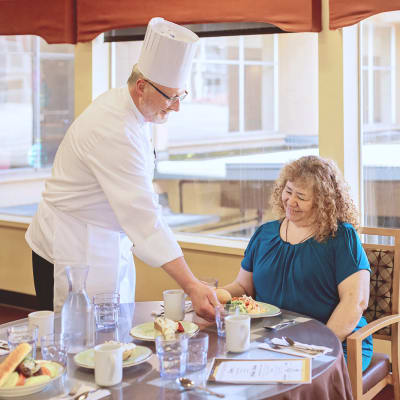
298, 202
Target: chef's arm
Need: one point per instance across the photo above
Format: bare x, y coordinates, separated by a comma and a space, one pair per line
243, 284
202, 296
354, 295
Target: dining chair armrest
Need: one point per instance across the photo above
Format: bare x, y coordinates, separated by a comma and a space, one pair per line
372, 327
354, 351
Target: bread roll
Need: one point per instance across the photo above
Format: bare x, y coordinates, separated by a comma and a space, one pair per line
223, 296
13, 360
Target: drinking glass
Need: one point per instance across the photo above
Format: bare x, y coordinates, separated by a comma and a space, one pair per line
209, 281
55, 347
22, 333
172, 355
197, 352
106, 309
221, 312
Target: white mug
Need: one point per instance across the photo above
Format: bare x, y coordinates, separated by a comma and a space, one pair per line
237, 330
44, 320
174, 304
108, 364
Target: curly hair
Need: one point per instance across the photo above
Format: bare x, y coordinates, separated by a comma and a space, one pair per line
332, 201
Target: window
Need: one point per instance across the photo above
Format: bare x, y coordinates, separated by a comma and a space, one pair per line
379, 50
252, 106
36, 100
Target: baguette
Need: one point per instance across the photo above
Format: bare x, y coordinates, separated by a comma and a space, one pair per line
13, 360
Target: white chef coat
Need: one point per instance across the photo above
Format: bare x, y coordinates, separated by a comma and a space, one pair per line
100, 188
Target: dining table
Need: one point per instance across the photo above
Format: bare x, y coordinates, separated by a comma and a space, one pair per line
330, 379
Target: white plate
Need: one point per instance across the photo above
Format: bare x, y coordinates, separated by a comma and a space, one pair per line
141, 354
25, 390
270, 310
146, 331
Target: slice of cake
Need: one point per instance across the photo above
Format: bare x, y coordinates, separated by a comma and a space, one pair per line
167, 327
127, 348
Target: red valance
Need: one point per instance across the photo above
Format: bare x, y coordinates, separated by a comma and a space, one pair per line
349, 12
72, 21
53, 20
99, 16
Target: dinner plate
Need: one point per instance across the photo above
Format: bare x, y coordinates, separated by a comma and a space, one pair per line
146, 331
270, 310
18, 391
140, 354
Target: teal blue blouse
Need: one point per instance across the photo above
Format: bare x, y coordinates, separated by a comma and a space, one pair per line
304, 277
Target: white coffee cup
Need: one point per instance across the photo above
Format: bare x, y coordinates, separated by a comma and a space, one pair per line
108, 364
44, 320
237, 330
174, 304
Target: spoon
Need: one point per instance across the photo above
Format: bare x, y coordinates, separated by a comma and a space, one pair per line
292, 343
189, 384
85, 395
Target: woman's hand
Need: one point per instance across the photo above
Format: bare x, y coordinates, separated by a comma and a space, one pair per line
243, 284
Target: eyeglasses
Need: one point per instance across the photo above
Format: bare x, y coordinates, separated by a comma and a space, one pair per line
172, 99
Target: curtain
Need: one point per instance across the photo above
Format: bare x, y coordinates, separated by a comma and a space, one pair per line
349, 12
53, 20
72, 21
291, 16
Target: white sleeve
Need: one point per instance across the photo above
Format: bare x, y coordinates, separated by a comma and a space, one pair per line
120, 164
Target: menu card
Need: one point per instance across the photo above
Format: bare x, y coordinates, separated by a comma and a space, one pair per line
242, 371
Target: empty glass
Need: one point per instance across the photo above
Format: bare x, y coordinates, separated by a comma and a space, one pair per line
209, 281
106, 309
22, 333
172, 356
55, 347
197, 352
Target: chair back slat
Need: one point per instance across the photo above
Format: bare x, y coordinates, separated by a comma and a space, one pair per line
384, 285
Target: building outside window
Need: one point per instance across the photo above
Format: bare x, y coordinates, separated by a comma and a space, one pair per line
36, 100
380, 134
252, 106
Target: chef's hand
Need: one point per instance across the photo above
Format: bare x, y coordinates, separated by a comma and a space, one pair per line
203, 299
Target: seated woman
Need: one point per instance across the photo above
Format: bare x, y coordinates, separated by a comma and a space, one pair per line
310, 260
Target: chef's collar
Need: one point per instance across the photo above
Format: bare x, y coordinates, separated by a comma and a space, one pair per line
139, 116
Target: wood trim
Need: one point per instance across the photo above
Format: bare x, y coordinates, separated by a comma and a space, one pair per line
18, 299
207, 248
376, 389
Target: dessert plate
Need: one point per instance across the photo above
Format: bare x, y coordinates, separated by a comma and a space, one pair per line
140, 354
146, 331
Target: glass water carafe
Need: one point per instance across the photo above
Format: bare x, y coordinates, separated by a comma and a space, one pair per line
77, 312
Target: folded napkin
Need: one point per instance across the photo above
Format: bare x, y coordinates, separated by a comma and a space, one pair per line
298, 349
4, 347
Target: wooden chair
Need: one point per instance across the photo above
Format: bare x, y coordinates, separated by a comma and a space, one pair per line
382, 316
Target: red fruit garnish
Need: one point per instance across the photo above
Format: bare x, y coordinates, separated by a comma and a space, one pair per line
180, 328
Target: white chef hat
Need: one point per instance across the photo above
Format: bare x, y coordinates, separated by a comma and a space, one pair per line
167, 53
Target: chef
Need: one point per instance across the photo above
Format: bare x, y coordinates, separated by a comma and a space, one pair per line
99, 204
